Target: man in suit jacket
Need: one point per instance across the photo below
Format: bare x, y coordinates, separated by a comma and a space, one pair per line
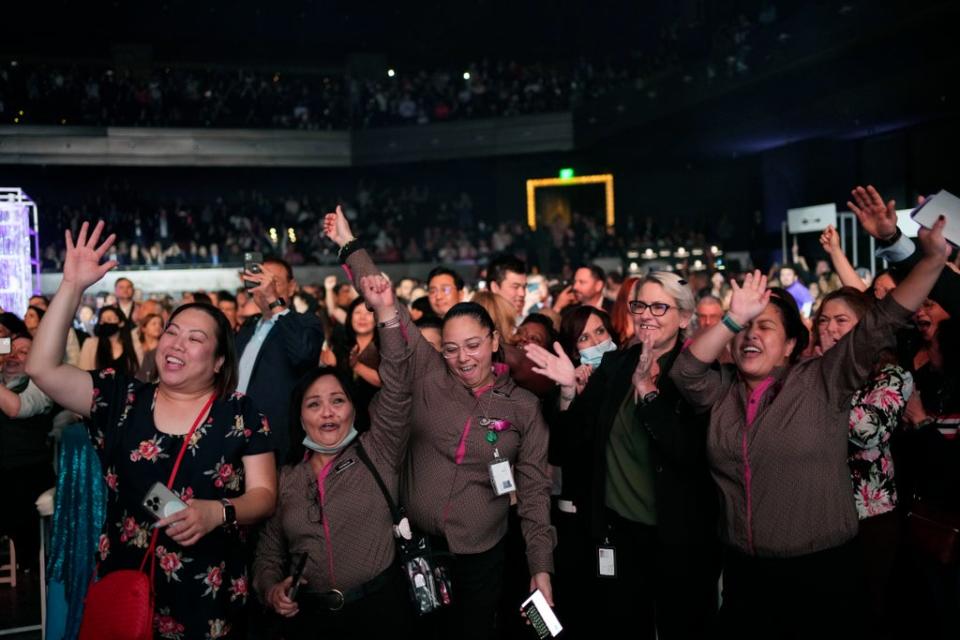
276, 347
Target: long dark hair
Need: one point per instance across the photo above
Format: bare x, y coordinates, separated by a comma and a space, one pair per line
792, 321
296, 451
572, 324
853, 298
348, 325
225, 380
128, 358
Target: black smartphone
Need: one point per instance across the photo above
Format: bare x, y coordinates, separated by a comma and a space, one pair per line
297, 575
252, 261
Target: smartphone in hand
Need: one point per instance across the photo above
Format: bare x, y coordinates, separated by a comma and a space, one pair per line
161, 502
252, 261
297, 575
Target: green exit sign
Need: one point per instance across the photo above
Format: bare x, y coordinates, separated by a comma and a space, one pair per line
566, 173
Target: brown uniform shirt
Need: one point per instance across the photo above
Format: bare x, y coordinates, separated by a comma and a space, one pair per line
446, 482
348, 533
783, 476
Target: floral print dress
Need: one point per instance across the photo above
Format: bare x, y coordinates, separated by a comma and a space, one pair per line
199, 589
876, 411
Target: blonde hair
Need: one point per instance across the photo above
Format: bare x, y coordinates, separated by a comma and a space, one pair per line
675, 287
501, 312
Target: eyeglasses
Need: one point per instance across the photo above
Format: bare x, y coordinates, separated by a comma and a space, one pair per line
470, 347
656, 308
445, 290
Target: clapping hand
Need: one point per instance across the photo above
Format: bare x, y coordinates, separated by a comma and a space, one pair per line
647, 370
556, 366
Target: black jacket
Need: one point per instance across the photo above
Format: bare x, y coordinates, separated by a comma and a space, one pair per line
687, 502
291, 349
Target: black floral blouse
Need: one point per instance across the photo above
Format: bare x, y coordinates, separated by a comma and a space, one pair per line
199, 589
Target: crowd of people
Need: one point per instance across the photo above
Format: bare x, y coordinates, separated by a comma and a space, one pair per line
692, 51
405, 224
680, 456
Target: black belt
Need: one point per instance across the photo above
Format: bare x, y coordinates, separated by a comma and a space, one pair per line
335, 600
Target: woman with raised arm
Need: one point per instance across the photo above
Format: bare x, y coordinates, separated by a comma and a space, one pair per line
227, 475
470, 422
331, 506
634, 471
777, 445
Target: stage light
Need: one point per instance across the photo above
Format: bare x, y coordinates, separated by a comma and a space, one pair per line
391, 73
273, 235
466, 75
21, 112
292, 234
16, 120
13, 63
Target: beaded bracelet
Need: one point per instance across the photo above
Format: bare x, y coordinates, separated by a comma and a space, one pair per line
731, 324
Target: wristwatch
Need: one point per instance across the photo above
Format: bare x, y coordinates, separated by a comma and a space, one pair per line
650, 397
229, 513
279, 302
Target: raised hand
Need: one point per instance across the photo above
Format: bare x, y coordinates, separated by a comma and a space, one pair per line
377, 292
830, 240
932, 242
647, 370
878, 219
81, 266
749, 301
336, 227
557, 366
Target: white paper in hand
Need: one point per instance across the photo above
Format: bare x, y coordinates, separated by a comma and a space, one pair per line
943, 204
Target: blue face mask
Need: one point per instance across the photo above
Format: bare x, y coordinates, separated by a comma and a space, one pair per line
319, 448
593, 355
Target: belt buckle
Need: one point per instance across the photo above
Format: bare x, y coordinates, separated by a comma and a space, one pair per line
338, 595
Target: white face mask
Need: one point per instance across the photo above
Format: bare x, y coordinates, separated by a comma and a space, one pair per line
593, 355
319, 448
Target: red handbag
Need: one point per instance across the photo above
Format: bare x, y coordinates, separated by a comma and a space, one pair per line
119, 606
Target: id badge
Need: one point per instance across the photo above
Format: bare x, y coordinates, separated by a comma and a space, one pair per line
606, 561
501, 477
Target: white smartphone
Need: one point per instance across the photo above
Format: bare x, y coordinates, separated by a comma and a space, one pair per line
161, 502
5, 347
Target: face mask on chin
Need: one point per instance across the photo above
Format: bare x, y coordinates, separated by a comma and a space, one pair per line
337, 448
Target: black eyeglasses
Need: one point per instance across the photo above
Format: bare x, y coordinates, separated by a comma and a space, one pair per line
656, 308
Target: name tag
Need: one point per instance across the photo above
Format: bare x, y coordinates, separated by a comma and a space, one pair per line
606, 562
501, 477
346, 464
